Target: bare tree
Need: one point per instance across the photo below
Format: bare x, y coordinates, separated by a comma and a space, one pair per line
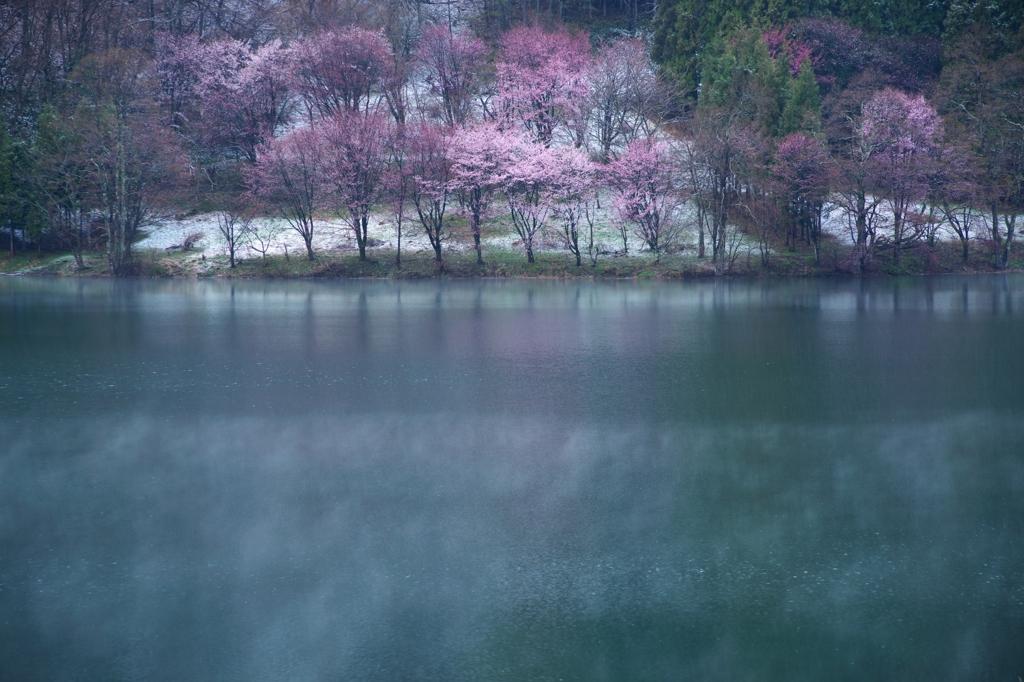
132, 160
627, 97
723, 147
234, 226
262, 237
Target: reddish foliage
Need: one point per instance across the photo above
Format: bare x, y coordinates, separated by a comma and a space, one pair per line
339, 70
808, 176
782, 41
839, 49
804, 165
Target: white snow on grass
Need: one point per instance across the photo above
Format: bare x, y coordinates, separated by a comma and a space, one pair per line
334, 236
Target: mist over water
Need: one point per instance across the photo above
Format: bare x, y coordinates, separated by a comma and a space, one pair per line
471, 481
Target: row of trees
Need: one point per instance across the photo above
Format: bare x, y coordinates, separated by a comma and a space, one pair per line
777, 128
42, 42
559, 128
526, 134
898, 165
83, 162
362, 129
94, 170
227, 100
353, 163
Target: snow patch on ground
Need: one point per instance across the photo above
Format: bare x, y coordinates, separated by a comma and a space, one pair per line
334, 236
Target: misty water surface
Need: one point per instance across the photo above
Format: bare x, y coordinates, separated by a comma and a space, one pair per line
801, 480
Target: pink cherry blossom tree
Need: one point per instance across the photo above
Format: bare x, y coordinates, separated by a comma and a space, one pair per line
541, 78
903, 130
453, 68
648, 192
191, 73
838, 50
529, 184
356, 149
245, 98
575, 193
341, 70
288, 176
808, 175
480, 155
429, 158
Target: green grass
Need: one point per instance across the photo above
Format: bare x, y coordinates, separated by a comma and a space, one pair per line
23, 261
512, 264
498, 263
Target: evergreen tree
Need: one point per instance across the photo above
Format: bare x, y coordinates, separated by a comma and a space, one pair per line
803, 106
741, 75
17, 212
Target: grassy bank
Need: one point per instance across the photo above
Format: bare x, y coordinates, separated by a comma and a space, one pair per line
461, 264
31, 262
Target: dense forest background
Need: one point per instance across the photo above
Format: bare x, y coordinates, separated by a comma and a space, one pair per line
727, 119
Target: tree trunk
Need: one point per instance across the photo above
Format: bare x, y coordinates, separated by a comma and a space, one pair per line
862, 226
700, 232
476, 235
1010, 223
815, 234
529, 254
398, 252
361, 224
995, 236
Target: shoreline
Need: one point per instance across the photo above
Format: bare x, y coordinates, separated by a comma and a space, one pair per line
498, 265
160, 252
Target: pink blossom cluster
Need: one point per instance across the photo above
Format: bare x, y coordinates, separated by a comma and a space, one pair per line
524, 136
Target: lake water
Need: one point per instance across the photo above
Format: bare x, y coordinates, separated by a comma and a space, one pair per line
781, 480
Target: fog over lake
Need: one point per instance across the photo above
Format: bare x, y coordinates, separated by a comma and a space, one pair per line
730, 480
